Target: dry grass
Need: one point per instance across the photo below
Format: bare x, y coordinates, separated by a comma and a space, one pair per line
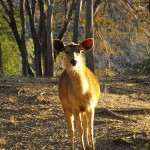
31, 116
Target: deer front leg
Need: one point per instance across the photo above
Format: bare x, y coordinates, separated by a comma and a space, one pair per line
78, 121
70, 121
85, 127
90, 119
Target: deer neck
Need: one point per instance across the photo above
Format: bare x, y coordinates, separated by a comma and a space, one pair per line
79, 79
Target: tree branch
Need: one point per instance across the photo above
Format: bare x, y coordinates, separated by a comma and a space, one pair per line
96, 6
12, 22
33, 8
144, 24
67, 21
6, 19
11, 7
5, 8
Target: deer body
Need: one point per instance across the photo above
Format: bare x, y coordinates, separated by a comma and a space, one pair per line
79, 92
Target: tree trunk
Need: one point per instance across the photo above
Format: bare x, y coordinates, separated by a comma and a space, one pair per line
50, 50
30, 72
42, 35
149, 8
37, 46
1, 62
76, 21
24, 53
89, 33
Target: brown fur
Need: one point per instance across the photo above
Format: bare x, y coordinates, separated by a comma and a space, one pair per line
79, 92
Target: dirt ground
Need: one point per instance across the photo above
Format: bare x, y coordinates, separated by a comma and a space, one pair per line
31, 116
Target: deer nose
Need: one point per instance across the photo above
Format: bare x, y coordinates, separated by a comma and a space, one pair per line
73, 62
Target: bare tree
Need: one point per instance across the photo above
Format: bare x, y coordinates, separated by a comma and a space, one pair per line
76, 21
142, 18
50, 50
20, 38
89, 33
42, 34
37, 47
43, 40
1, 62
67, 20
23, 40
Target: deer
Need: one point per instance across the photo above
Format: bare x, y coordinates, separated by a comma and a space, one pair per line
79, 91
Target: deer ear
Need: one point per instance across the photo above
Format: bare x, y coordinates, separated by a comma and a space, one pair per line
87, 44
58, 45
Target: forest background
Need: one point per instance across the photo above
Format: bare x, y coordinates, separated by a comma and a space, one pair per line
31, 115
121, 31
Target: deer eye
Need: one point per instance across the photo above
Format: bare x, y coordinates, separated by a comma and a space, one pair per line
67, 52
78, 52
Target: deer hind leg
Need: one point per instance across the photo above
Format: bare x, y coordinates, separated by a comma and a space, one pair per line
90, 119
78, 121
70, 121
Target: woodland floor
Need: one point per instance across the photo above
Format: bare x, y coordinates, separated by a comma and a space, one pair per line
31, 116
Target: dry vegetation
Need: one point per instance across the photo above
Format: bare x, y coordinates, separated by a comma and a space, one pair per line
31, 117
